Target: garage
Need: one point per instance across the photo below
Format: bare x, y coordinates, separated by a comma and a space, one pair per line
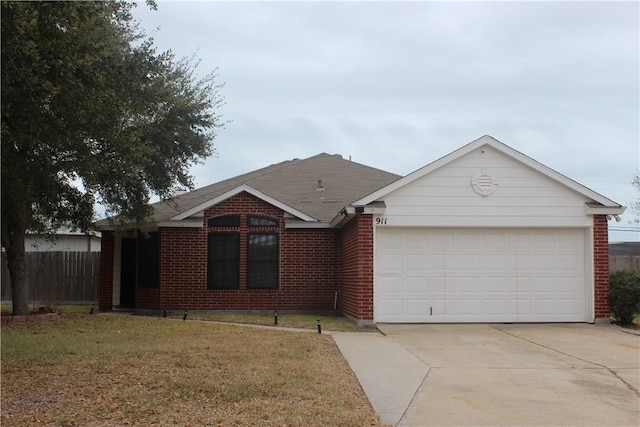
447, 275
487, 234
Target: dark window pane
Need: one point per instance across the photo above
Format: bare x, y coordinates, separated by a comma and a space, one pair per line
223, 261
262, 275
148, 260
258, 221
263, 247
225, 221
262, 261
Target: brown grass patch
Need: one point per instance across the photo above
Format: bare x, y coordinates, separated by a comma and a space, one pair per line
111, 370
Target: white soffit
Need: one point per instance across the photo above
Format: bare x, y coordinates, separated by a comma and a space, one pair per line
492, 142
224, 196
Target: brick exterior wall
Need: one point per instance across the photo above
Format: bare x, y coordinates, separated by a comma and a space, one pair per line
105, 285
314, 264
356, 290
601, 266
308, 266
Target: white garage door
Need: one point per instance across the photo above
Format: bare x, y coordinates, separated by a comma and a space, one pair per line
473, 275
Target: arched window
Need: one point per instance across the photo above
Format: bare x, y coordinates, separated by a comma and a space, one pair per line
225, 221
261, 221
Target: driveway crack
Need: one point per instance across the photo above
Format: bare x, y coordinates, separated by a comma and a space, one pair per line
415, 395
614, 373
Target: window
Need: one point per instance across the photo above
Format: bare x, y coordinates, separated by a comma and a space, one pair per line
262, 261
223, 267
225, 221
148, 260
258, 221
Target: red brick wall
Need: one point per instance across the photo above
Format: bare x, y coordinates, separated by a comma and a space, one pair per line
147, 298
601, 266
105, 286
183, 267
356, 290
309, 265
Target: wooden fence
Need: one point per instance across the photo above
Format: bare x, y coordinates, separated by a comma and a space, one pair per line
624, 262
58, 277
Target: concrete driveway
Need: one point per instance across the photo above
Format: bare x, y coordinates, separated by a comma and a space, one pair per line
498, 375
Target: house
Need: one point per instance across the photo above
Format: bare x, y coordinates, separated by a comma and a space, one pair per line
624, 249
63, 240
484, 234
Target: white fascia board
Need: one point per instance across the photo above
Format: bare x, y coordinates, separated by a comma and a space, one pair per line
366, 210
604, 210
492, 142
339, 220
288, 224
180, 224
224, 196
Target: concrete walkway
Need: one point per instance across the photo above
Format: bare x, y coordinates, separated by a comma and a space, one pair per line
498, 375
388, 373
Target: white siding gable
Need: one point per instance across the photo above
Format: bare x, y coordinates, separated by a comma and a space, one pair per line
522, 196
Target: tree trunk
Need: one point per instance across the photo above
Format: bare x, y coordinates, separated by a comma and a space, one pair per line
14, 241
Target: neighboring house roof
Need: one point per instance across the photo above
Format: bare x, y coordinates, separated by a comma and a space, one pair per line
600, 205
624, 248
312, 189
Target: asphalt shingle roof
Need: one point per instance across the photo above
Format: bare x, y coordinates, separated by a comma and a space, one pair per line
294, 183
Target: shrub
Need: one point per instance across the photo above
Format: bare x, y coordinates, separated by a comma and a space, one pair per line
624, 295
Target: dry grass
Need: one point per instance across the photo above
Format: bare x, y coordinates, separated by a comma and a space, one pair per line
7, 309
112, 370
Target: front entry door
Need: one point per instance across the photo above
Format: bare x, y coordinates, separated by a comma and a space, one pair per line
128, 273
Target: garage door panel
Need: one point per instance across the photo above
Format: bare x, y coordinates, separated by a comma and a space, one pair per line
415, 285
439, 285
494, 262
570, 263
390, 263
544, 262
474, 275
495, 307
467, 262
391, 307
496, 285
440, 262
415, 262
390, 285
467, 284
417, 307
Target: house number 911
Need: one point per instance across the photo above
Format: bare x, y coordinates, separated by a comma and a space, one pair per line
381, 221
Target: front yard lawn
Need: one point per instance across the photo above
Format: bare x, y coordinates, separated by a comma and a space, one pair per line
99, 370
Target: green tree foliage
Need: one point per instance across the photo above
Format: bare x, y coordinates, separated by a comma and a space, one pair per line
91, 112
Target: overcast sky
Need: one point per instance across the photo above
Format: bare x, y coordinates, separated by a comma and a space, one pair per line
397, 85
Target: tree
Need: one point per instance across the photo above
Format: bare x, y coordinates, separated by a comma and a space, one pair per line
635, 206
92, 113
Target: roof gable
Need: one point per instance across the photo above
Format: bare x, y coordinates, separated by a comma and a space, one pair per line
228, 194
311, 189
499, 146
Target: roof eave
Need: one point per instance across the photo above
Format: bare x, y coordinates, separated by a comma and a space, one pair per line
348, 212
598, 209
